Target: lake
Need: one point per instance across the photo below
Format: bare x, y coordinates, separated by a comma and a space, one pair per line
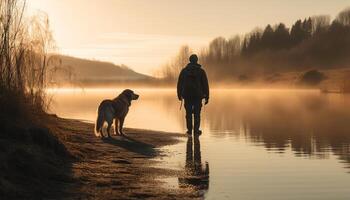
256, 144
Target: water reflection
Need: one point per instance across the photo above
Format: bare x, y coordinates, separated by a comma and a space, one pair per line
241, 129
309, 123
195, 175
312, 126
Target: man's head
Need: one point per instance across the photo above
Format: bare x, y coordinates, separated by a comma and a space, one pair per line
193, 58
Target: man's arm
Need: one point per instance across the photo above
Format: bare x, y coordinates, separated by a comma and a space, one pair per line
179, 85
205, 85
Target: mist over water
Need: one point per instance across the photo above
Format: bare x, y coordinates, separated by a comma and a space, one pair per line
279, 144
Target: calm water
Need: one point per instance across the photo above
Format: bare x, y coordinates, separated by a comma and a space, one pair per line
257, 144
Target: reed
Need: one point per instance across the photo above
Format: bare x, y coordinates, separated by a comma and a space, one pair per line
25, 43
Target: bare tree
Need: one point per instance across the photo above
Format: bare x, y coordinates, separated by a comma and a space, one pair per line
344, 17
171, 70
320, 23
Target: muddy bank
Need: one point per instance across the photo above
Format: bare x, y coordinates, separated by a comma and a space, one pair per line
117, 167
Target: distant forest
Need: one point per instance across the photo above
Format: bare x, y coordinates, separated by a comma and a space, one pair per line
312, 43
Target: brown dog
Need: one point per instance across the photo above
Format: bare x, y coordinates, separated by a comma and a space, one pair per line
116, 110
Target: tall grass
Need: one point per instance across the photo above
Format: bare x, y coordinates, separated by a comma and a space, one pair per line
24, 60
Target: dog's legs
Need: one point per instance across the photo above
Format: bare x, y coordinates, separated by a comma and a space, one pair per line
109, 129
116, 126
121, 126
101, 132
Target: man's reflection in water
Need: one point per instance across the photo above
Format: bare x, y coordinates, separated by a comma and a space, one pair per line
195, 175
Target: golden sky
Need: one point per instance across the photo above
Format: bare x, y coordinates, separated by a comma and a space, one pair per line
143, 34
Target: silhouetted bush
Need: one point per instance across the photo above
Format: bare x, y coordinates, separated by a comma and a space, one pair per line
312, 77
243, 78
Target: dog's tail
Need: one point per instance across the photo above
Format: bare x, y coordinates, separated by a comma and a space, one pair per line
99, 122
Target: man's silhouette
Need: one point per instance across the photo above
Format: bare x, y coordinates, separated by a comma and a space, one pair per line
192, 86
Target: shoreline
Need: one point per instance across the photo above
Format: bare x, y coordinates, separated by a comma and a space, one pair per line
173, 89
117, 167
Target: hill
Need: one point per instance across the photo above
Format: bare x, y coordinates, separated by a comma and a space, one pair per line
92, 72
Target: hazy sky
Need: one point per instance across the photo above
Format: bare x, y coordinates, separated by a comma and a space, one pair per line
143, 34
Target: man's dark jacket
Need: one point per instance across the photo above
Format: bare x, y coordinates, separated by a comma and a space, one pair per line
196, 69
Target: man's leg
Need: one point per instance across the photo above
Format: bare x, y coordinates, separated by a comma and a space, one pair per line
197, 115
189, 111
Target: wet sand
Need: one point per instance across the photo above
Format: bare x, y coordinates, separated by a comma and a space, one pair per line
117, 167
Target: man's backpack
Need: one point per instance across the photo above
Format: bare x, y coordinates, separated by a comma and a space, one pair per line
192, 84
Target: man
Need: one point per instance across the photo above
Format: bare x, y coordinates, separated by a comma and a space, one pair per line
192, 86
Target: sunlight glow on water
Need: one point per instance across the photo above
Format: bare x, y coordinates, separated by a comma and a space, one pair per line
275, 144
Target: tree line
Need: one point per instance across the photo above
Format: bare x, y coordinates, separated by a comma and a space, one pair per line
312, 43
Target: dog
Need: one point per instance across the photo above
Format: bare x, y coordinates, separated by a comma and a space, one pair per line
116, 110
